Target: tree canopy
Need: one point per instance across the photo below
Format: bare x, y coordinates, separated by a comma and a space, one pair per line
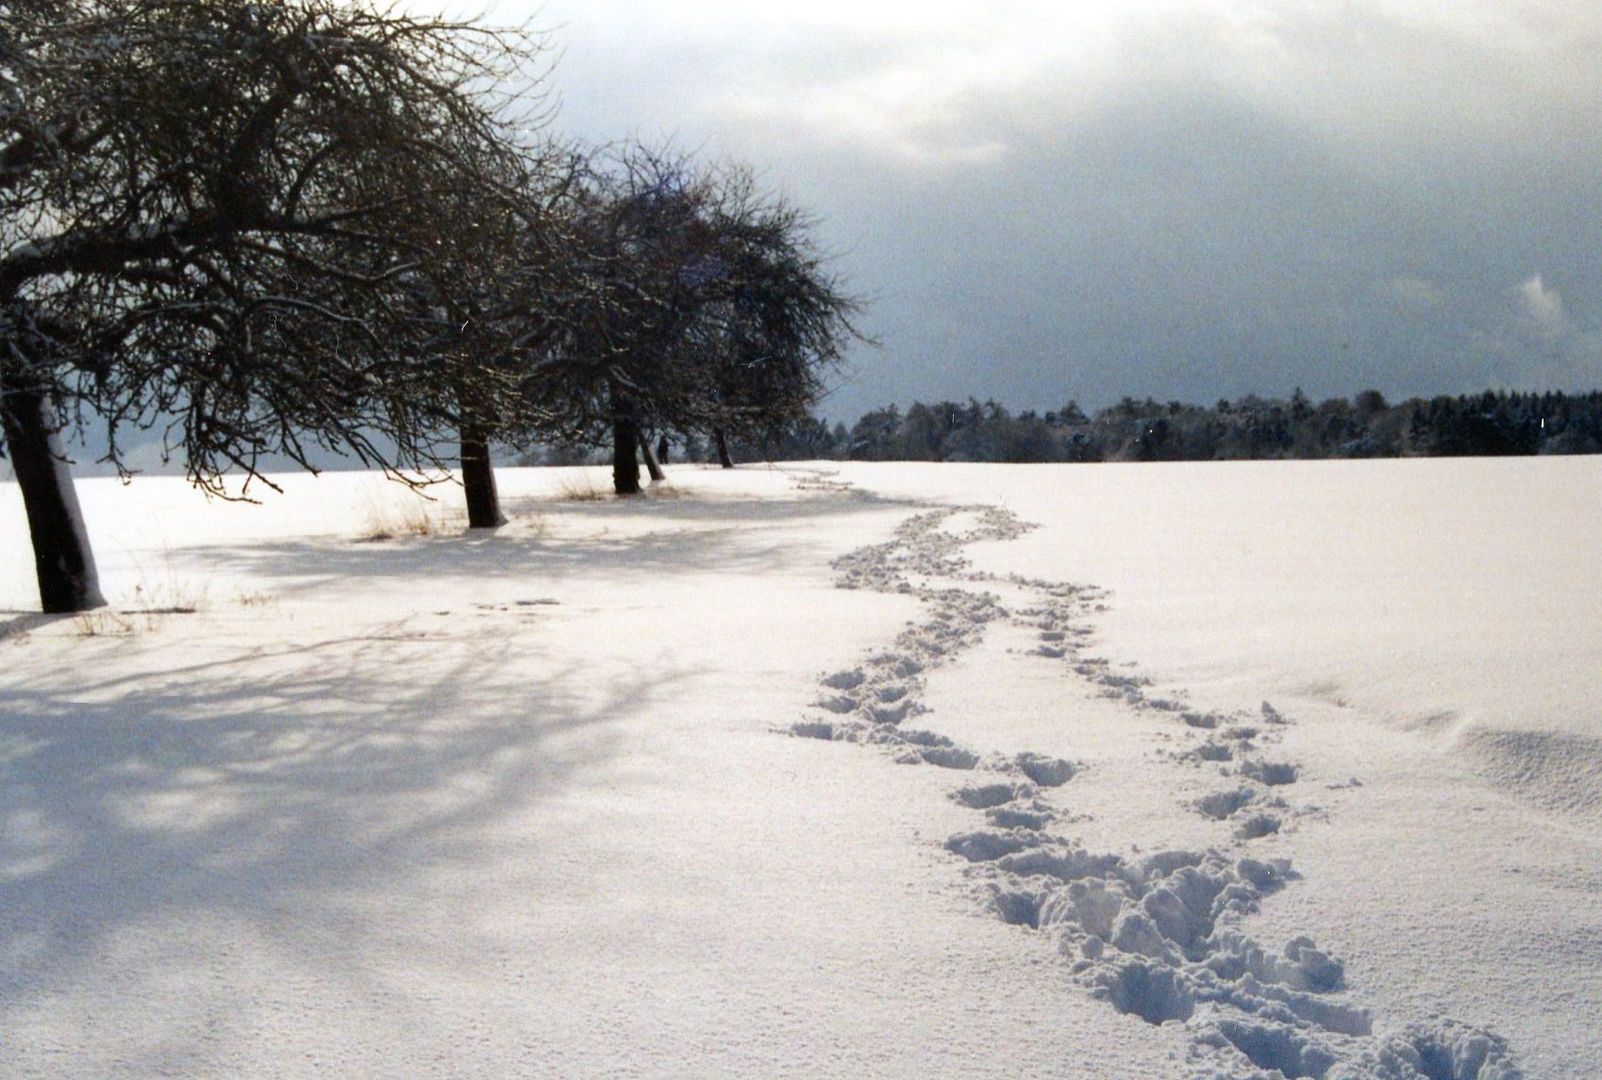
273, 230
217, 217
697, 304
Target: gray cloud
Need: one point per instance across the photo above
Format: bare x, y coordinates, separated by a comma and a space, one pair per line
1181, 200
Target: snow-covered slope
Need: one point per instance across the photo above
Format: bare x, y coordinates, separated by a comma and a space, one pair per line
1115, 771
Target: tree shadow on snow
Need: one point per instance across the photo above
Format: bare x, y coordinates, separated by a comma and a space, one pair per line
706, 534
287, 790
16, 623
272, 786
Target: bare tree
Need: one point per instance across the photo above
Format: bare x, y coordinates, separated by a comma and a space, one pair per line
701, 306
496, 308
216, 216
775, 324
610, 364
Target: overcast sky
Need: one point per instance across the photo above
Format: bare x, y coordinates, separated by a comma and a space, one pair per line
1046, 201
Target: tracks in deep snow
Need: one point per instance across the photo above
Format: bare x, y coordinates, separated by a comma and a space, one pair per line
1156, 936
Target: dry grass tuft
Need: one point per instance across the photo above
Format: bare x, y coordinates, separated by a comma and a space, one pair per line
152, 602
394, 522
105, 623
581, 489
664, 489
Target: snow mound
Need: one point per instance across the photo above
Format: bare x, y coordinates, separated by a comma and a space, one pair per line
1555, 770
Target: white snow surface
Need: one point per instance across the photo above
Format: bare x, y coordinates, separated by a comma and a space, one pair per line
1223, 770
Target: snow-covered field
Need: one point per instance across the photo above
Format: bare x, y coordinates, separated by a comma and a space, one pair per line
1281, 769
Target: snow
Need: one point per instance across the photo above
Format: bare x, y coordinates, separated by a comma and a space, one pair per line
1245, 769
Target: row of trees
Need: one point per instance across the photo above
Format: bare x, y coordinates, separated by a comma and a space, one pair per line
1246, 428
280, 229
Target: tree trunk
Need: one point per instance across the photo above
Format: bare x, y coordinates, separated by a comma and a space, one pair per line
652, 466
723, 448
625, 466
478, 480
61, 555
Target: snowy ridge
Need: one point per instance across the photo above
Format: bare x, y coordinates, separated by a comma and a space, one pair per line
1558, 771
1155, 936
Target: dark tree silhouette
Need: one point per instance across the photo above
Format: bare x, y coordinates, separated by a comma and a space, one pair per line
216, 216
1490, 423
497, 309
773, 322
702, 308
605, 368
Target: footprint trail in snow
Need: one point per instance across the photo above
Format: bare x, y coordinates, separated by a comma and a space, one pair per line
1154, 935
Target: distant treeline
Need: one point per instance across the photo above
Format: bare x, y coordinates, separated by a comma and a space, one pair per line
1251, 427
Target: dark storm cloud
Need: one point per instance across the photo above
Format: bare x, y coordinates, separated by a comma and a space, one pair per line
1180, 200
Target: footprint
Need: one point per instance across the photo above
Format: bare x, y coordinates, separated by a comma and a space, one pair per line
890, 714
1016, 907
1035, 817
844, 680
1210, 751
1221, 804
1272, 773
1256, 826
986, 796
923, 738
1158, 936
815, 729
1272, 715
1045, 771
949, 757
987, 846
